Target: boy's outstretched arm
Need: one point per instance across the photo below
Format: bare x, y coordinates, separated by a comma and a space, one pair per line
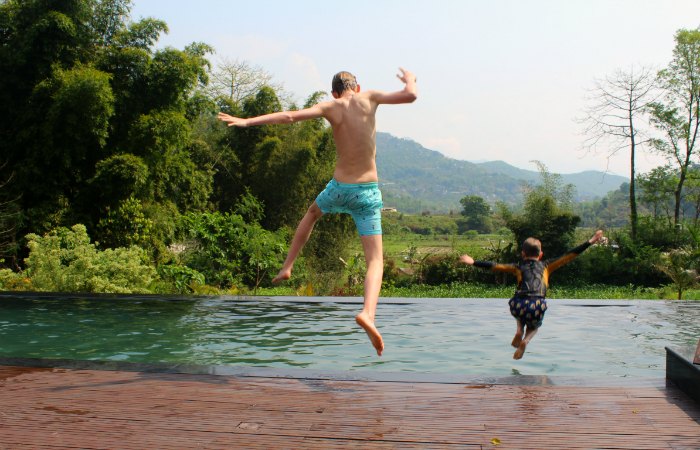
281, 117
408, 94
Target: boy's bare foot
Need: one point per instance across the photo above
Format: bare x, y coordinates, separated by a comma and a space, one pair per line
517, 340
520, 351
364, 321
283, 275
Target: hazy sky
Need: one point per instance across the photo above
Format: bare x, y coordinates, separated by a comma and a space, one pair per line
497, 79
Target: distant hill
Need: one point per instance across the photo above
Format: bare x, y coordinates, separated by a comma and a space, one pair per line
416, 179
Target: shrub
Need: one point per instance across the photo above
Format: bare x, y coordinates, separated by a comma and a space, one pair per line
13, 281
65, 261
126, 225
184, 279
437, 270
228, 251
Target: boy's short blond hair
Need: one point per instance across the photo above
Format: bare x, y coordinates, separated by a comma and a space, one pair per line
532, 247
343, 81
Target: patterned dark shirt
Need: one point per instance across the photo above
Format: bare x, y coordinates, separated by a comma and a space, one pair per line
533, 275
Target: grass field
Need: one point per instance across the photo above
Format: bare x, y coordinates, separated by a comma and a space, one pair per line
404, 246
476, 290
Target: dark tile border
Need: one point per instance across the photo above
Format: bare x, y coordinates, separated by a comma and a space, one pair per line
306, 374
682, 372
300, 299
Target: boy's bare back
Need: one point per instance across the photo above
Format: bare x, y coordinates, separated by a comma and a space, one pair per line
352, 117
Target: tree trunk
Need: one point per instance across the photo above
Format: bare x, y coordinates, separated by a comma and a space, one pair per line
633, 195
677, 195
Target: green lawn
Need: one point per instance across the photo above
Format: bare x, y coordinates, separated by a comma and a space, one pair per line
477, 290
404, 246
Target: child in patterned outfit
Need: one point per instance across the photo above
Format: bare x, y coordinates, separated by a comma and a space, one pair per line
528, 305
354, 188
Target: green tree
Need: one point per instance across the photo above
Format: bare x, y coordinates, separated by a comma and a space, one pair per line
477, 213
119, 177
679, 265
90, 102
247, 151
43, 47
657, 192
547, 214
609, 211
230, 252
692, 193
108, 18
677, 115
62, 149
126, 225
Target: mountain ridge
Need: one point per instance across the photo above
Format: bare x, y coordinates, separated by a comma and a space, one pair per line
415, 178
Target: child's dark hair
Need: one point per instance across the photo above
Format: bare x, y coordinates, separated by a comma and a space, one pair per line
532, 247
343, 81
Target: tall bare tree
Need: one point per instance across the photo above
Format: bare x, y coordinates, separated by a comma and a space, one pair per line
9, 217
236, 80
677, 114
617, 105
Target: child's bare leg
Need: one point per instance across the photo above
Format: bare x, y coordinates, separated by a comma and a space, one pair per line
518, 335
529, 334
374, 258
301, 236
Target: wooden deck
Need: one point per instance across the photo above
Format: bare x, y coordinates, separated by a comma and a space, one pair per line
61, 408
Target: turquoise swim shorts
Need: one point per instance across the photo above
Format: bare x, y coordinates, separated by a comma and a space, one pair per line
363, 201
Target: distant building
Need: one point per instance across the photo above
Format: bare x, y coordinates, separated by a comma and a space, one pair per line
389, 210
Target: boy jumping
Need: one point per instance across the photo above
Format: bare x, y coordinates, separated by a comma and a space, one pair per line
528, 305
354, 188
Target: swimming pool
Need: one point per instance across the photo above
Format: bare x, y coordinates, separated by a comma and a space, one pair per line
433, 336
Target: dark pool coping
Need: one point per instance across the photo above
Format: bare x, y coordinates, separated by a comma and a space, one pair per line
681, 370
309, 374
302, 299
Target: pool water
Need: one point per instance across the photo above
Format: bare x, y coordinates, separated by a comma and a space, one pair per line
441, 336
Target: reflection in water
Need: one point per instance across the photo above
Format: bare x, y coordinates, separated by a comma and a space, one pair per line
464, 337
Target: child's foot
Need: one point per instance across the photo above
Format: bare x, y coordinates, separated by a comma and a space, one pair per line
283, 275
364, 321
517, 340
520, 351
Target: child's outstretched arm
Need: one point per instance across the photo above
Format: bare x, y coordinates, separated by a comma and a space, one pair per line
281, 117
408, 94
466, 259
553, 265
596, 237
495, 267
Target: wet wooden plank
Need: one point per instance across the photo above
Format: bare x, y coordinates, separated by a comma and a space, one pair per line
60, 408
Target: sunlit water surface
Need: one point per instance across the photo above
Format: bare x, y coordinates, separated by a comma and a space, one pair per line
442, 336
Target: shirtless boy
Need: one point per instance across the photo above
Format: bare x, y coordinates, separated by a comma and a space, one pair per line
354, 188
